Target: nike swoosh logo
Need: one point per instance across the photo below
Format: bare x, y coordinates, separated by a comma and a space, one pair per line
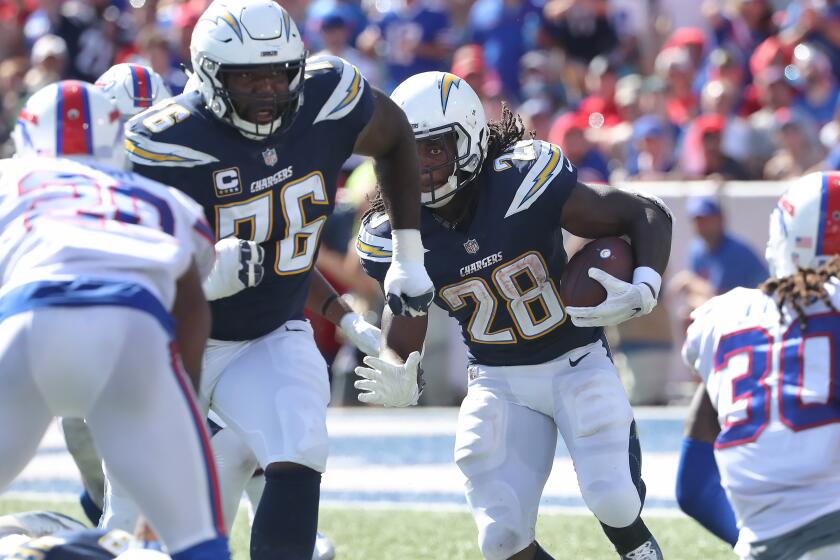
636, 310
573, 363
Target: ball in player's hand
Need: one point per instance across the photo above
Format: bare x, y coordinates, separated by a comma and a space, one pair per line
613, 255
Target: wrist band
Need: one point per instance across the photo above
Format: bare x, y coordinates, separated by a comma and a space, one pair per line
327, 304
647, 275
407, 245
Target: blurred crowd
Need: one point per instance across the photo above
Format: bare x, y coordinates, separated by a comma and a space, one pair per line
630, 89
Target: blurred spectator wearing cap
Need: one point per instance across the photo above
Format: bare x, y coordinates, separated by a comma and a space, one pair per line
720, 97
715, 255
537, 116
817, 84
799, 149
673, 65
650, 154
48, 62
354, 16
705, 136
692, 39
91, 31
569, 132
468, 63
816, 22
774, 93
540, 76
740, 24
335, 38
414, 37
598, 107
506, 29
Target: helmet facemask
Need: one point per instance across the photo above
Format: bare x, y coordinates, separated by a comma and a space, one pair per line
455, 141
239, 107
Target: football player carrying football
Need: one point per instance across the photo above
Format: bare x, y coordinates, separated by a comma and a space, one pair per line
494, 206
259, 145
769, 360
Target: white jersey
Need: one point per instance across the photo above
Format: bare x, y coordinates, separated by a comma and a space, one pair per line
776, 388
61, 219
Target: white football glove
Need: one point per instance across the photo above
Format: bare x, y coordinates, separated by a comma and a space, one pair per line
238, 266
408, 289
624, 300
390, 384
362, 334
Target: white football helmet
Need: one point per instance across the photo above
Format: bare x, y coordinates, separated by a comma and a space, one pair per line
805, 225
71, 119
134, 88
241, 36
438, 103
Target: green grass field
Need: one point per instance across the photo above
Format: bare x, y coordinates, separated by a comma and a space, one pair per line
365, 534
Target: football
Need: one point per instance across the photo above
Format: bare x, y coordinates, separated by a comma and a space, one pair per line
611, 254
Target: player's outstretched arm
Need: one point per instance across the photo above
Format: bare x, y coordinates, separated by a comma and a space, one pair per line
192, 322
395, 378
388, 138
698, 490
600, 211
326, 302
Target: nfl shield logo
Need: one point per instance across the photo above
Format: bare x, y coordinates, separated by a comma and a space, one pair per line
270, 156
471, 246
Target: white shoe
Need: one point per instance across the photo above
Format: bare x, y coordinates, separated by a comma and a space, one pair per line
324, 549
648, 551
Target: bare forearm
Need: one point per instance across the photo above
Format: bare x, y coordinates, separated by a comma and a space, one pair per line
324, 300
400, 186
403, 335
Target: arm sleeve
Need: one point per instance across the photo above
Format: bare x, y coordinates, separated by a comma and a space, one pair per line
699, 492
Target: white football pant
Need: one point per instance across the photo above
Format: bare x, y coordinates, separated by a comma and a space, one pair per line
117, 368
507, 435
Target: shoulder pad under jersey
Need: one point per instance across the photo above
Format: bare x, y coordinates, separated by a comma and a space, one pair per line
334, 85
158, 136
374, 240
536, 165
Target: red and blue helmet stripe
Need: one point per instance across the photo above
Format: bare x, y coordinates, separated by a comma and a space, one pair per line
828, 232
141, 80
74, 125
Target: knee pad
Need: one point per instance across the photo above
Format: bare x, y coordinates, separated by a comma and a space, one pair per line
614, 502
479, 441
502, 529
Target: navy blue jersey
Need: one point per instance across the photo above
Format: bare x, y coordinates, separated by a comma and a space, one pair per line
499, 278
277, 192
89, 544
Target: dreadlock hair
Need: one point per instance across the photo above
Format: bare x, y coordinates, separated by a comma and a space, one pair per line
802, 288
504, 133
